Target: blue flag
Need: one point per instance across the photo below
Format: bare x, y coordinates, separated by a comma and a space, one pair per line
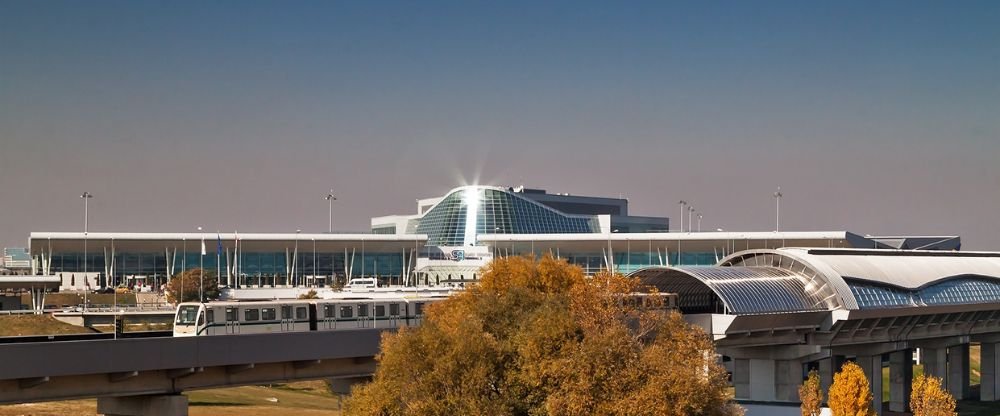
218, 250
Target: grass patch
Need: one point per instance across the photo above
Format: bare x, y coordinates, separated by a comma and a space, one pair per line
312, 397
23, 325
308, 398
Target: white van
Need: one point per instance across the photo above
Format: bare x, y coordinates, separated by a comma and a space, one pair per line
361, 283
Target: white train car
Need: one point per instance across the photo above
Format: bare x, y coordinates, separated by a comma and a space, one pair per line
259, 317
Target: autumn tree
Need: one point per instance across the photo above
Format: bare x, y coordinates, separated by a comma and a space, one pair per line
536, 337
811, 395
185, 286
928, 398
311, 294
850, 394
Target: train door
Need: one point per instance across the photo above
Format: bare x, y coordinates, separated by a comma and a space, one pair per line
380, 315
418, 313
329, 320
232, 320
394, 315
301, 322
207, 328
346, 313
312, 317
287, 321
363, 316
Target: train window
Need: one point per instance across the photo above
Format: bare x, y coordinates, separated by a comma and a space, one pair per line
186, 315
379, 310
300, 312
231, 314
418, 309
362, 310
346, 311
251, 314
394, 309
328, 311
211, 315
286, 312
267, 314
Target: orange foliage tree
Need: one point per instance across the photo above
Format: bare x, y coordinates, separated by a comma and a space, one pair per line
850, 394
811, 395
184, 286
928, 398
536, 337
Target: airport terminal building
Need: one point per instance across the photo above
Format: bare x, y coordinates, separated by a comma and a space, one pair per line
445, 242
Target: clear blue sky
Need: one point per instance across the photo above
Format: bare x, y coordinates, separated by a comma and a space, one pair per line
875, 117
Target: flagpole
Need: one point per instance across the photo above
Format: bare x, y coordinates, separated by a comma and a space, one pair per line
201, 269
218, 259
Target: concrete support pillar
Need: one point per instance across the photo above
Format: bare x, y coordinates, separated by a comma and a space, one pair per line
755, 379
827, 368
872, 366
741, 378
155, 405
900, 380
990, 372
787, 379
958, 371
935, 361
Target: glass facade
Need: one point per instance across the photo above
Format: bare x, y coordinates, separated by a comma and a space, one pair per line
963, 290
451, 223
950, 292
255, 267
871, 296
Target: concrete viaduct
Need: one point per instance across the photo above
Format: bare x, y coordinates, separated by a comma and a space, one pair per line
146, 376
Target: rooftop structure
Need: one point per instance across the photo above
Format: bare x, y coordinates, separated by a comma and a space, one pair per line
455, 219
15, 259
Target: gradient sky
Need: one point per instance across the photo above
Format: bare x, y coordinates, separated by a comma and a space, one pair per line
874, 117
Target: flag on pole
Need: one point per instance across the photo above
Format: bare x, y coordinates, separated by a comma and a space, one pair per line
203, 246
218, 244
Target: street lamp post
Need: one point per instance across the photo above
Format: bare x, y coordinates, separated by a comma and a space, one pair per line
201, 269
683, 205
777, 210
690, 211
329, 199
699, 222
86, 225
295, 260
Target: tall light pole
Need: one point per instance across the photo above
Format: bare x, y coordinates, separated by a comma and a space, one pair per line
329, 199
777, 210
683, 205
201, 269
690, 211
699, 222
295, 260
86, 225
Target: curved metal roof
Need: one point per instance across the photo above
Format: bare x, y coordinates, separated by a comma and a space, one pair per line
904, 269
800, 280
743, 290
